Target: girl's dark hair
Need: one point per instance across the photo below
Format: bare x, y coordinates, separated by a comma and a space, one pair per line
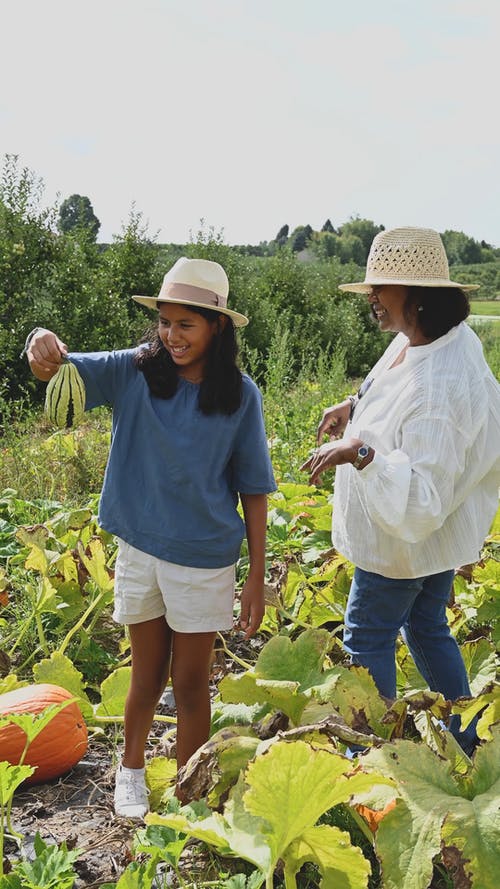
437, 309
220, 390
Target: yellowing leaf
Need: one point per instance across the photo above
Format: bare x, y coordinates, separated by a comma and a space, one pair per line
94, 559
60, 670
114, 691
280, 785
342, 865
161, 772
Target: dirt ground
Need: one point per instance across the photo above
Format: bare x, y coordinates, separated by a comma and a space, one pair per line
78, 808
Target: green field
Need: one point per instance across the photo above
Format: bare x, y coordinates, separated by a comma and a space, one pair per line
485, 307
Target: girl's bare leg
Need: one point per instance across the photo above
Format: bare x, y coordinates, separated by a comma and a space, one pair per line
151, 644
191, 659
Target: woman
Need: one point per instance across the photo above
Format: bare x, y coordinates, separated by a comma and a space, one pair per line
416, 486
188, 443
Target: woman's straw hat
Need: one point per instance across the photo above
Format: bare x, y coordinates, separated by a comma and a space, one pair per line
409, 256
195, 282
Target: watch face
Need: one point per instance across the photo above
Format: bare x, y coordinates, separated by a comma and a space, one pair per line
363, 451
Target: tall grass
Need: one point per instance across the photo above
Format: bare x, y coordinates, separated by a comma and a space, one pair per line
293, 406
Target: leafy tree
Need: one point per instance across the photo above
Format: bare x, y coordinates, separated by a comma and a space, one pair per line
350, 248
325, 244
28, 250
460, 248
365, 230
77, 212
328, 227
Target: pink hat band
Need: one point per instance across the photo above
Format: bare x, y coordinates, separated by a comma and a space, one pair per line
190, 293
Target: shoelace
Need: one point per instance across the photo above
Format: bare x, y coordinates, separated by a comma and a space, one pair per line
131, 787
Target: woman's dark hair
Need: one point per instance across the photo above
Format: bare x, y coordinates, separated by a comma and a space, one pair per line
437, 309
220, 390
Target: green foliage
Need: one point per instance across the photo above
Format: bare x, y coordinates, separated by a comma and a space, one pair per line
28, 250
439, 810
271, 816
461, 249
364, 230
76, 212
51, 868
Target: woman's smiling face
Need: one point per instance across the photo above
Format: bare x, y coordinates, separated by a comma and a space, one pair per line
187, 336
387, 304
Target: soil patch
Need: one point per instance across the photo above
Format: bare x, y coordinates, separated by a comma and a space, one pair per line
78, 809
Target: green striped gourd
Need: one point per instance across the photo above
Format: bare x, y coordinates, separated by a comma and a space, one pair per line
65, 396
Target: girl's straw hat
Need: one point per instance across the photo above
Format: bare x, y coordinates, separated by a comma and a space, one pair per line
195, 282
409, 256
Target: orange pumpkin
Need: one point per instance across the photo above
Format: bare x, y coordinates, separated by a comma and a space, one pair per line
58, 747
372, 816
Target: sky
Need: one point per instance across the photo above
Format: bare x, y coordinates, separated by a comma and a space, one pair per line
252, 114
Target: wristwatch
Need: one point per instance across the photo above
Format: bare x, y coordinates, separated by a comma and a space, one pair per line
363, 452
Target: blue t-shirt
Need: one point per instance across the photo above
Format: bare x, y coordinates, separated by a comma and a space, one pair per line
173, 474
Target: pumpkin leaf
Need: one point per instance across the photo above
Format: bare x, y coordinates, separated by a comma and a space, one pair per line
236, 832
285, 675
10, 779
247, 688
481, 663
438, 807
342, 865
35, 539
359, 702
489, 703
9, 683
279, 788
52, 867
114, 690
95, 560
60, 670
161, 773
301, 661
271, 811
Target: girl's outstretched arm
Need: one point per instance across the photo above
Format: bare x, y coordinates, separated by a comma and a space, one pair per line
252, 595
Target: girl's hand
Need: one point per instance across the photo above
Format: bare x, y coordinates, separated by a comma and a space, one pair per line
331, 454
333, 421
252, 606
46, 353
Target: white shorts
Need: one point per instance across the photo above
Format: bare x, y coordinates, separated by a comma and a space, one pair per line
192, 600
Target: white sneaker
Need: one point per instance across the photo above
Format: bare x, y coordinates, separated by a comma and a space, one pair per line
131, 793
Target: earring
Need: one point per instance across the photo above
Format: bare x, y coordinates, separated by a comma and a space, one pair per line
420, 309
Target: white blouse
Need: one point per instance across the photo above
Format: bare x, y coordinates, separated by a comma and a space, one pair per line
426, 502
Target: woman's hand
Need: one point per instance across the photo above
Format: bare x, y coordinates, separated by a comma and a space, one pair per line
334, 421
333, 453
46, 353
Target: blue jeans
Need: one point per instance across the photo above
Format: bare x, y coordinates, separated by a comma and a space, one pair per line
379, 607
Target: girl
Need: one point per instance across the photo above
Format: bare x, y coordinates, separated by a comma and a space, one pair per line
188, 438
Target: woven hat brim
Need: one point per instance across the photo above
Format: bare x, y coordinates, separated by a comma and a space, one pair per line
151, 302
366, 286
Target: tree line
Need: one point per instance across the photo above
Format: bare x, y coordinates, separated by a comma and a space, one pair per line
54, 273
